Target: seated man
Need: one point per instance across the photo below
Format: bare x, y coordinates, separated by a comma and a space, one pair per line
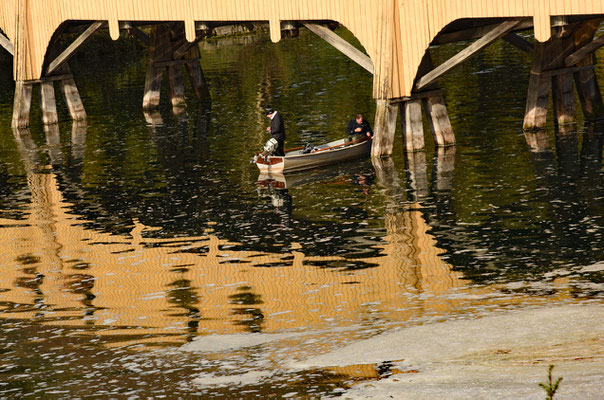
359, 128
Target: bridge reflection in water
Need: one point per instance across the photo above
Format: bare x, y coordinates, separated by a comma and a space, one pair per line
166, 291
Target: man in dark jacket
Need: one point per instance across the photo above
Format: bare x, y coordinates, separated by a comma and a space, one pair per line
358, 128
277, 129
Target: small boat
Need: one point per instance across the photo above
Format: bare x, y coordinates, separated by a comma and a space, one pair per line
300, 159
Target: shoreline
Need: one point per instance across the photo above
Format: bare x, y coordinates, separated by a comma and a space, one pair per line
503, 355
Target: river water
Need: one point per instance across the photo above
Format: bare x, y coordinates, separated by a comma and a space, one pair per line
143, 256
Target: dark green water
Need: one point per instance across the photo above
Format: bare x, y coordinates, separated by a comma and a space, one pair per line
506, 219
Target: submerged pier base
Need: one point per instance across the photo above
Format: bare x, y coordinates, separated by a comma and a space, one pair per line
169, 49
56, 69
410, 110
23, 93
412, 122
563, 63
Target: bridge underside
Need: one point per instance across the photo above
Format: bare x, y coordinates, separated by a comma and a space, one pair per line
560, 65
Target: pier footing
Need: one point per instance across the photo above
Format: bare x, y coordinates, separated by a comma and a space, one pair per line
56, 70
563, 63
169, 49
410, 109
23, 93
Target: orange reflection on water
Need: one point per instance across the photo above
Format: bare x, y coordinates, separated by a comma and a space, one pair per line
166, 291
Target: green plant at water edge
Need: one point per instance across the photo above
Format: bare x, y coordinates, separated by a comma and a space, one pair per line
550, 386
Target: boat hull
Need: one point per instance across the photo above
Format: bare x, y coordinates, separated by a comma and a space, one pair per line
295, 161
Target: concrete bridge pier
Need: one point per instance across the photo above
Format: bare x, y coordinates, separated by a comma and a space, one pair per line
563, 63
168, 49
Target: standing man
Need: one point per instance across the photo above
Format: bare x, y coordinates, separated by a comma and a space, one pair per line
359, 128
277, 129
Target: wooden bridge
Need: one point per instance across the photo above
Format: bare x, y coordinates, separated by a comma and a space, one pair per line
395, 34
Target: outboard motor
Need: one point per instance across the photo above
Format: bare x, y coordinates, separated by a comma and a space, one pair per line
270, 146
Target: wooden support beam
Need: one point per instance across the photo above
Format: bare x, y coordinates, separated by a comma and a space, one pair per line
48, 103
589, 91
71, 49
476, 33
7, 44
412, 125
563, 98
496, 33
563, 95
159, 50
140, 35
566, 70
21, 105
585, 79
185, 47
73, 99
440, 125
342, 45
52, 78
384, 128
538, 92
173, 63
519, 43
198, 80
418, 95
584, 51
66, 82
434, 106
176, 86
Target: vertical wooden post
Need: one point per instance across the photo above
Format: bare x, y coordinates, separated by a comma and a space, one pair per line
412, 125
591, 154
384, 128
538, 92
563, 94
159, 46
175, 78
48, 103
435, 107
177, 88
563, 98
198, 80
72, 98
585, 80
22, 104
67, 84
440, 125
589, 90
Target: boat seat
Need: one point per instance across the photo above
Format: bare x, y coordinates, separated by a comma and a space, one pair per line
308, 147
